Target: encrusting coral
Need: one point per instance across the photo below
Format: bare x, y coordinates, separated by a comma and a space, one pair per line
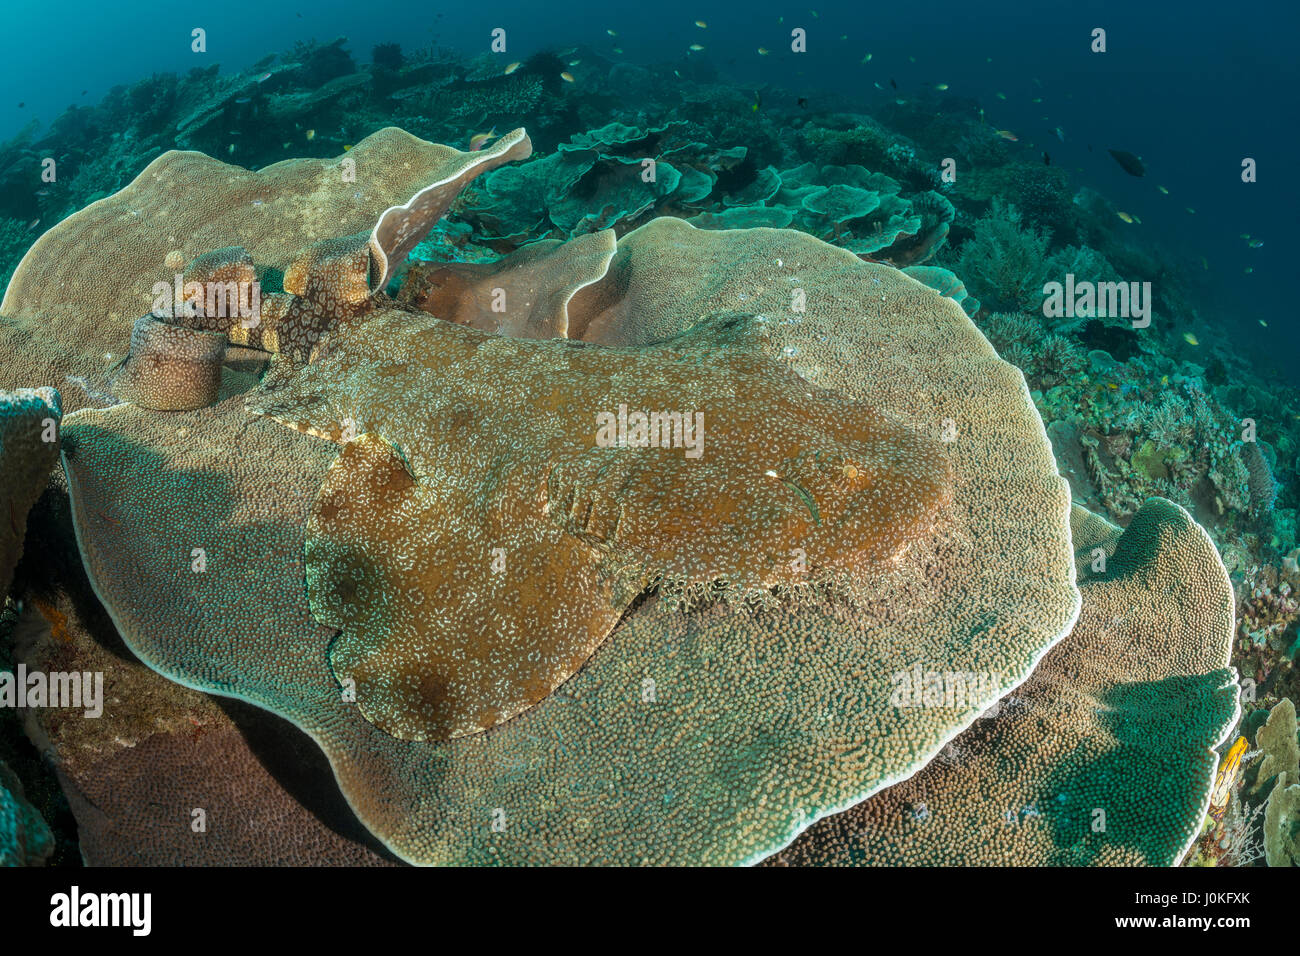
66, 326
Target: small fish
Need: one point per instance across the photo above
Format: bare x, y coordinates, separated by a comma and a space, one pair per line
576, 62
311, 134
1226, 779
1261, 321
1255, 243
33, 224
814, 13
1047, 159
1249, 269
1206, 263
1007, 134
264, 77
893, 82
243, 99
1125, 216
21, 105
230, 149
1164, 379
879, 87
867, 58
83, 92
701, 24
763, 51
566, 76
347, 147
1137, 219
618, 49
1163, 190
1191, 210
803, 102
1245, 235
1112, 386
1036, 99
611, 33
479, 140
697, 47
941, 86
510, 68
677, 74
1190, 339
1060, 134
1128, 162
758, 101
900, 101
1002, 96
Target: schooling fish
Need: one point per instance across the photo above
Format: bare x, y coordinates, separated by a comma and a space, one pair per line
1255, 243
701, 24
611, 33
566, 76
1007, 134
763, 51
1125, 216
1163, 190
511, 68
941, 86
479, 140
1190, 339
867, 58
311, 134
1060, 134
697, 47
1128, 162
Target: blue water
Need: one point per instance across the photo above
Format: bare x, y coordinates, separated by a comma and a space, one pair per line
1191, 87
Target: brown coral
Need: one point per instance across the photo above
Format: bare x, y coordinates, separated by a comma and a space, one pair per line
752, 467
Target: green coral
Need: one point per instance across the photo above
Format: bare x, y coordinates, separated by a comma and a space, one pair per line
1005, 263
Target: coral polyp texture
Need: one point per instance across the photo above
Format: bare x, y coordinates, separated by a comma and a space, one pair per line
1105, 756
474, 443
613, 550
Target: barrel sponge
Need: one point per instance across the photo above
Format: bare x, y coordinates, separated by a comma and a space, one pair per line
29, 449
169, 367
75, 295
1106, 754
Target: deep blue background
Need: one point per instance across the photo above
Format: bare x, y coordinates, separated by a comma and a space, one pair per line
1190, 86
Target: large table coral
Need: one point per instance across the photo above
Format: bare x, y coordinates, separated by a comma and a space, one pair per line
506, 631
